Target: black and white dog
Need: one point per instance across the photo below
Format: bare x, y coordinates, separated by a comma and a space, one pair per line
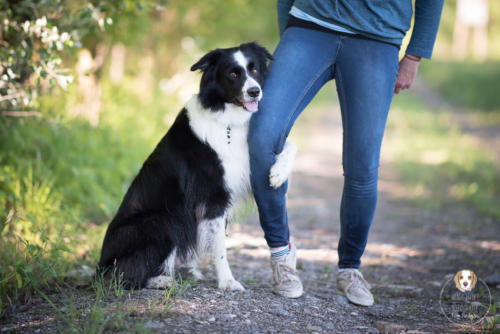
176, 207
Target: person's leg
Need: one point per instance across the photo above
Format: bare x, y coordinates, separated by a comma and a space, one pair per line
366, 71
302, 65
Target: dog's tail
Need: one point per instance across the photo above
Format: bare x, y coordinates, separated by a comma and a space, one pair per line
134, 248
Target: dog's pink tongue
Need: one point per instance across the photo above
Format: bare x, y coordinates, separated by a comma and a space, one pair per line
251, 106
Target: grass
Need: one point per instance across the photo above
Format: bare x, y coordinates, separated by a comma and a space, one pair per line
106, 307
439, 163
470, 85
61, 180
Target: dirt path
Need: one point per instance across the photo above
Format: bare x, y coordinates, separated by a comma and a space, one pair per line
409, 253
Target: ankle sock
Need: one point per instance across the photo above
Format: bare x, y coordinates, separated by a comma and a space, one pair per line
340, 271
280, 251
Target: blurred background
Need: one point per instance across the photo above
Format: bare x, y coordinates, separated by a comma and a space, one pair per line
89, 87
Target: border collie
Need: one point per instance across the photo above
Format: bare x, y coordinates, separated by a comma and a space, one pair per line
176, 207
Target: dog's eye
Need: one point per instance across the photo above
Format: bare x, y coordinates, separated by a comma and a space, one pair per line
233, 75
254, 71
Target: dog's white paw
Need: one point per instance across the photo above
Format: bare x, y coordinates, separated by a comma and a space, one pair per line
197, 274
277, 177
231, 284
283, 166
159, 282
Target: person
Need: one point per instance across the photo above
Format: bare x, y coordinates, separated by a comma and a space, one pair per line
472, 16
355, 42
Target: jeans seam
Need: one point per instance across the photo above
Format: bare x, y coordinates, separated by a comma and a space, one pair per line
299, 100
345, 127
344, 102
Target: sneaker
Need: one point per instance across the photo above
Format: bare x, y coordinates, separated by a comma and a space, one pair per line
352, 284
286, 280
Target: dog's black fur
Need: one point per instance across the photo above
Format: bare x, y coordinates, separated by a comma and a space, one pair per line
180, 183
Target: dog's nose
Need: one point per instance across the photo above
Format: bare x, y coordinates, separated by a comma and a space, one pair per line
466, 283
253, 91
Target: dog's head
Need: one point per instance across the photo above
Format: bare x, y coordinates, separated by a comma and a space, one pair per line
233, 75
465, 280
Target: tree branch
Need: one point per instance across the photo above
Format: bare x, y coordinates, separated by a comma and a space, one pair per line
22, 113
10, 96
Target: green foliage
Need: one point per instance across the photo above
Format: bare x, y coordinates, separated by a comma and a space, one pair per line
58, 175
101, 312
34, 37
469, 85
109, 308
440, 163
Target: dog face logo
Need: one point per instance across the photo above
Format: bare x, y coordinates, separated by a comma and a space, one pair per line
465, 280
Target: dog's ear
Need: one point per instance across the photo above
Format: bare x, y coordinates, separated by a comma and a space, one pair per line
259, 50
207, 60
474, 280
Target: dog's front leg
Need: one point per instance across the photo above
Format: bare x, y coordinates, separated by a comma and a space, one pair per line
218, 256
283, 166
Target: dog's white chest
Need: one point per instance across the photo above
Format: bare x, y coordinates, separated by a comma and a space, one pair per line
226, 133
235, 161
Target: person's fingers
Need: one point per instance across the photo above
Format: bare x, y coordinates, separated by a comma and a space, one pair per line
406, 75
400, 84
397, 88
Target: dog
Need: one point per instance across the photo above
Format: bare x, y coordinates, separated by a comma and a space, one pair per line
176, 208
465, 280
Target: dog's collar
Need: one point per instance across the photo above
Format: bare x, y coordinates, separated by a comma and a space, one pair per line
228, 134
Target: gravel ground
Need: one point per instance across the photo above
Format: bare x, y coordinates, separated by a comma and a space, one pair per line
408, 257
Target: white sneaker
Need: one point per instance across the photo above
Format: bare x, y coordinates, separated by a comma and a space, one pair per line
286, 280
353, 285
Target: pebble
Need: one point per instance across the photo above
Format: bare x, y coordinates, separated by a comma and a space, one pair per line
341, 300
354, 313
329, 325
280, 312
211, 319
227, 317
307, 311
313, 328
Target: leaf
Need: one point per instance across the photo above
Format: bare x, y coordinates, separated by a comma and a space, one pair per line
19, 280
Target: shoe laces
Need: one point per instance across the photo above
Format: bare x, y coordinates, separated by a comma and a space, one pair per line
357, 279
285, 273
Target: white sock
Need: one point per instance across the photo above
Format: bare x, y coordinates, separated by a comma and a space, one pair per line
280, 251
341, 270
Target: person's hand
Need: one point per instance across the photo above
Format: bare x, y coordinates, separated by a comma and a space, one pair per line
408, 67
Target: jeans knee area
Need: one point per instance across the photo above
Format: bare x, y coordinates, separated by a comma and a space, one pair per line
361, 186
261, 149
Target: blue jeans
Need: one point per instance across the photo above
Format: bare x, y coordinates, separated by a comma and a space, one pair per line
365, 72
